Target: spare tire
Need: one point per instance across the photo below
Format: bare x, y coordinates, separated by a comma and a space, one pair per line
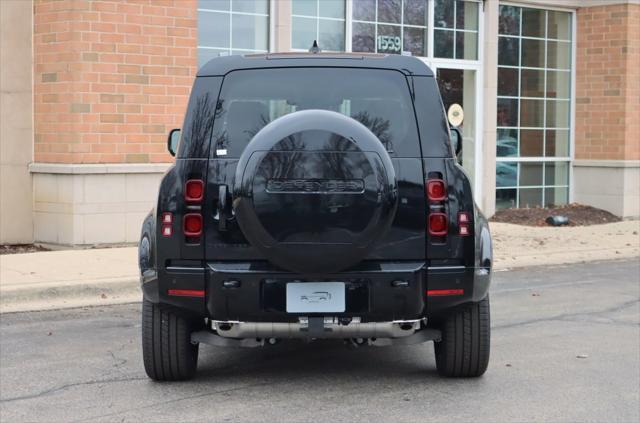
313, 191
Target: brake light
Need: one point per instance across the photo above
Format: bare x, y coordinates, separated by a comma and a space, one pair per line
192, 224
194, 191
436, 190
438, 224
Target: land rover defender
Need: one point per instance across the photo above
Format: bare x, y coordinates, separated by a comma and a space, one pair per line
315, 196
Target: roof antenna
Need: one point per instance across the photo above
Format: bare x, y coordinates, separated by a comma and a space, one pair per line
314, 48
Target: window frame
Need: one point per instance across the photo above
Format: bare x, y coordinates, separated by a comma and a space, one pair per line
317, 19
569, 159
231, 13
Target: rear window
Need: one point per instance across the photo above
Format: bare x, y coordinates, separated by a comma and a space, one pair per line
379, 99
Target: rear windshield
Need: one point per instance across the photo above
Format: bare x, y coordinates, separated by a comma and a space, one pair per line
379, 99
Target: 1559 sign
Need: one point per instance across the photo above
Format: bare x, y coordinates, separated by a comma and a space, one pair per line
389, 43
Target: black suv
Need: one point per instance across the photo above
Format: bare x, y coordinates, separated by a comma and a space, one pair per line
315, 196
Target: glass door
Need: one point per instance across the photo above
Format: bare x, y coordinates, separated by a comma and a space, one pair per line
459, 95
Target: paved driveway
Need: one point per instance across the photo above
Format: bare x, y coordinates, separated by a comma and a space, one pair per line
86, 365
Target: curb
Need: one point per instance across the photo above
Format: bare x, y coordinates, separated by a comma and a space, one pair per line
89, 293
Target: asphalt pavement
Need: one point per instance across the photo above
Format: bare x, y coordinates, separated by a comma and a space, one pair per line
565, 347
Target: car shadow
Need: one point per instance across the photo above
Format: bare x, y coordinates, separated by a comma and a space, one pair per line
318, 359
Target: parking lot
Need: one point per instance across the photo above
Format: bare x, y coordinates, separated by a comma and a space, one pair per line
565, 347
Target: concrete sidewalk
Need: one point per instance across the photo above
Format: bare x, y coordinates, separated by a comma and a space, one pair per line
74, 278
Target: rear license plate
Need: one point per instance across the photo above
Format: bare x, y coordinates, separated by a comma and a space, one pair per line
315, 297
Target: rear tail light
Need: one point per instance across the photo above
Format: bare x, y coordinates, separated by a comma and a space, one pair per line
167, 224
192, 224
436, 190
194, 191
167, 230
438, 225
199, 293
464, 224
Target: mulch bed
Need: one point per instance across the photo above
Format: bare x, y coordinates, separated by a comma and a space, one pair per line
21, 248
578, 215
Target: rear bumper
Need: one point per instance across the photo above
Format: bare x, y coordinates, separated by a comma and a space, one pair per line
255, 292
376, 292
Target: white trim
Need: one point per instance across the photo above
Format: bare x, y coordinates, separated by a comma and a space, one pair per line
535, 159
572, 104
103, 168
539, 5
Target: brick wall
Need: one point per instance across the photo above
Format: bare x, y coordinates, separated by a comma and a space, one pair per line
111, 78
608, 83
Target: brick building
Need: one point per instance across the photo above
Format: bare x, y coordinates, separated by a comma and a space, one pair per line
550, 91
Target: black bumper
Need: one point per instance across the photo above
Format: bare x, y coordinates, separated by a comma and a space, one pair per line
256, 292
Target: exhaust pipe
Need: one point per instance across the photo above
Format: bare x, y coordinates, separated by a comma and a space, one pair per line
330, 328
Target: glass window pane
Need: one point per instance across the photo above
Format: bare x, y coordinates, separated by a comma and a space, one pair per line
415, 41
467, 45
251, 6
507, 81
533, 53
304, 7
389, 11
530, 197
364, 10
506, 174
250, 32
389, 40
331, 36
531, 113
507, 142
507, 112
559, 25
558, 84
558, 113
557, 143
303, 32
532, 83
509, 20
363, 37
505, 199
530, 174
533, 23
332, 9
466, 15
222, 5
443, 14
415, 12
206, 54
508, 51
531, 142
556, 197
558, 54
213, 29
556, 173
443, 43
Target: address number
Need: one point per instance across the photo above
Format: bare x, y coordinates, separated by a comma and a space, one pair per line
389, 43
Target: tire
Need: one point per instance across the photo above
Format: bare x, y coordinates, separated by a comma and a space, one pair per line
466, 335
167, 351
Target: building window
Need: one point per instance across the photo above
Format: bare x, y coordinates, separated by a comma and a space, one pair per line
232, 27
321, 20
455, 33
534, 107
390, 26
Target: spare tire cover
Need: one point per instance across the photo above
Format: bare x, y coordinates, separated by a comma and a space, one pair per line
313, 191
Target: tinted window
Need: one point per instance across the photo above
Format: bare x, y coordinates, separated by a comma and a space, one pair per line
379, 99
198, 122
